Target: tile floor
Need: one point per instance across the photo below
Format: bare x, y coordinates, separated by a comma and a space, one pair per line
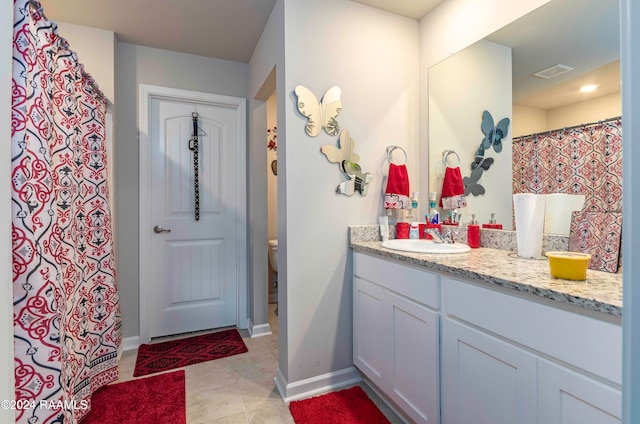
239, 389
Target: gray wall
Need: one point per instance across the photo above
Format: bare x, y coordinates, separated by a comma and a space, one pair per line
630, 50
373, 57
266, 75
142, 65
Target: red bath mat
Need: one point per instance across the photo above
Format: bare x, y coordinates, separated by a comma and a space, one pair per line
157, 357
156, 399
350, 406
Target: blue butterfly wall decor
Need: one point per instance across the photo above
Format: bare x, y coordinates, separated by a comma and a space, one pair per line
493, 135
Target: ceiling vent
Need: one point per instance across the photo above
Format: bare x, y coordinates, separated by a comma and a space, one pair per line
553, 71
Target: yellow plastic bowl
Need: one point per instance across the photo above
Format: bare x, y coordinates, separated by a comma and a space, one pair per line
568, 265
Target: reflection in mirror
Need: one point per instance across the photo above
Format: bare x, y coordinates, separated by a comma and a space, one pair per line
493, 135
496, 74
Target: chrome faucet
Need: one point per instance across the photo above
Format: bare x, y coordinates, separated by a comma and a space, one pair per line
438, 237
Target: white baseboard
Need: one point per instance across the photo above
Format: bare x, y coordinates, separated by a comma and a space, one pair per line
315, 385
259, 330
390, 404
130, 343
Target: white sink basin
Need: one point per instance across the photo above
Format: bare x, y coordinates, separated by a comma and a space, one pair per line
425, 246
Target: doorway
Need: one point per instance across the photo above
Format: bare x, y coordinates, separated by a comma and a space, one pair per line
193, 263
272, 197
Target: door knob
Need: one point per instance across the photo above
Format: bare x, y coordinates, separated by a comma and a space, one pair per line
158, 229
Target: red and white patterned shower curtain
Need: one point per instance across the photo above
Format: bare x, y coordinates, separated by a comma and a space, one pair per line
66, 307
582, 160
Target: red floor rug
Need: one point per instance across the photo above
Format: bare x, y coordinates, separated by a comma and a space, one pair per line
350, 406
157, 357
151, 400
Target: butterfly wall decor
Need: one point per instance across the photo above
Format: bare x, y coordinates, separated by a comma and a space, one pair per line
347, 160
320, 114
493, 135
471, 185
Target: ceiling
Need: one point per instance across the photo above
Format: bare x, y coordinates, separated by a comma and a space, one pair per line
224, 29
580, 33
415, 9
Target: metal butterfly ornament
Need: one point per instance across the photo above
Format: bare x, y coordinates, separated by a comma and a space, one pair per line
320, 114
347, 160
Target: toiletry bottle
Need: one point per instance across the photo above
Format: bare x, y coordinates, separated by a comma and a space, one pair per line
410, 215
414, 230
402, 230
492, 223
384, 228
414, 200
473, 232
433, 214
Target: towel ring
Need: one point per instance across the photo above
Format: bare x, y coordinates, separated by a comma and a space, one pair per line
445, 156
390, 150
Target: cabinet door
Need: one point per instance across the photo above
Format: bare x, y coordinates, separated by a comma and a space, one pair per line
368, 337
414, 346
567, 397
486, 380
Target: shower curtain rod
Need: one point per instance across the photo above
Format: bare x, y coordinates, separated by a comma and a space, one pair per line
616, 118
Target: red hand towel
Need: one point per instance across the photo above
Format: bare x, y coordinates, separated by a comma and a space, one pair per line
452, 190
397, 193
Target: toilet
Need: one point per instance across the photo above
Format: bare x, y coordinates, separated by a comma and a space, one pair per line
273, 271
273, 254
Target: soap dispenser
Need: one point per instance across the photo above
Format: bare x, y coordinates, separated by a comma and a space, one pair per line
473, 232
492, 223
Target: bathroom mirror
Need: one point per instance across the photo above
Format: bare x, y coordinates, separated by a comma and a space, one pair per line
496, 74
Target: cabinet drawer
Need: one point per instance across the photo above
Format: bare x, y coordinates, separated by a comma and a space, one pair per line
419, 286
584, 342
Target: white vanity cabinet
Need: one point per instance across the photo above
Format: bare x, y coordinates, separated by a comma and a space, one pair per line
454, 351
396, 333
568, 397
506, 359
485, 380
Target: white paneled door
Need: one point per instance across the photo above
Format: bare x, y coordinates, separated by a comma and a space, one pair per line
194, 263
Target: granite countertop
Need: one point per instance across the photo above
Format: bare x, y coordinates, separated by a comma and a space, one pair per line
601, 292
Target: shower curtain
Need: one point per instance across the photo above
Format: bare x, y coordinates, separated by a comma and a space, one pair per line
586, 159
66, 308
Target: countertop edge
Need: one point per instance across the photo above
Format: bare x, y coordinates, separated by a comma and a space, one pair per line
545, 293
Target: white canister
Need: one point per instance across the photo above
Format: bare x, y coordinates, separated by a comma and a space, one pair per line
529, 211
